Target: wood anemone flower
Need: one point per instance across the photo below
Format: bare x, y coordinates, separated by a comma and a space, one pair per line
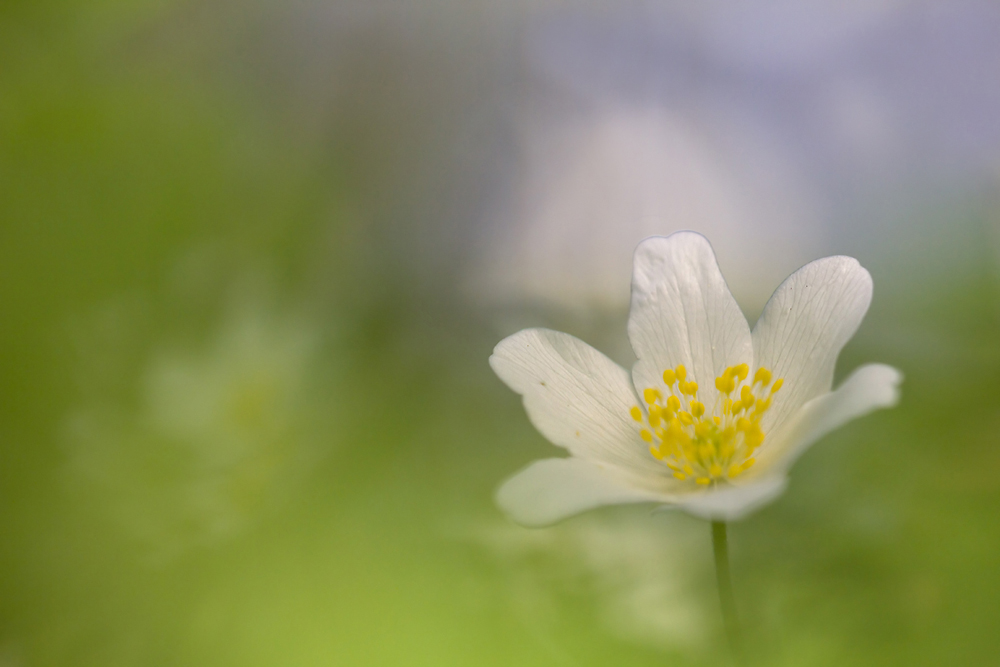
712, 415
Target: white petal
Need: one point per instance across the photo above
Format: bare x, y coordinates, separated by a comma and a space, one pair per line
683, 313
730, 503
867, 389
553, 489
807, 321
575, 396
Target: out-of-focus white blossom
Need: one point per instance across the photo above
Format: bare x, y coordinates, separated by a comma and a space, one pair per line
589, 189
219, 433
645, 583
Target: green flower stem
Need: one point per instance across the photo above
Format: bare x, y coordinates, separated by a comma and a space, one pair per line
720, 547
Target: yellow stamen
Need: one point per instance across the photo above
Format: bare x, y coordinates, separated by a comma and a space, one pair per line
725, 383
695, 444
654, 415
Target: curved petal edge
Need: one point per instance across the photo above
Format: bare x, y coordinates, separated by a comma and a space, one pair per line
734, 502
868, 388
551, 490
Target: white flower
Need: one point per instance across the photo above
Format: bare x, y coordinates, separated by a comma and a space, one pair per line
644, 583
559, 238
216, 437
700, 423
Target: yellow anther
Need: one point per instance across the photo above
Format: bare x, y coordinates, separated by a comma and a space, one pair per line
763, 376
681, 476
687, 469
725, 383
777, 385
735, 470
706, 451
656, 452
763, 405
636, 413
741, 371
703, 480
654, 415
717, 420
715, 470
645, 435
673, 466
746, 396
742, 424
729, 433
754, 436
681, 372
702, 429
669, 377
651, 395
674, 403
689, 388
747, 464
697, 408
685, 418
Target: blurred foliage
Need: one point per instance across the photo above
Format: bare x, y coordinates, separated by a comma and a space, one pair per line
157, 208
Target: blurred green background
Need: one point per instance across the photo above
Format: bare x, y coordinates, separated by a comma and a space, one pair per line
245, 412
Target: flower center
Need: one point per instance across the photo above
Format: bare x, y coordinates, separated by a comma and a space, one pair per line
707, 446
